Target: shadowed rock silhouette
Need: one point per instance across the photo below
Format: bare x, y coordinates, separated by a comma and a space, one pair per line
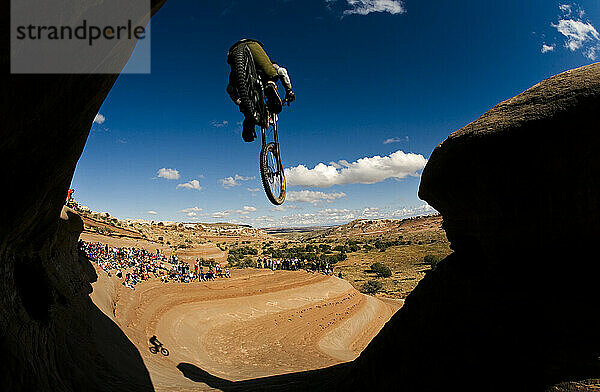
319, 379
52, 337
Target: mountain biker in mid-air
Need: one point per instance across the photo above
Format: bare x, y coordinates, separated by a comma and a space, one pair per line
269, 72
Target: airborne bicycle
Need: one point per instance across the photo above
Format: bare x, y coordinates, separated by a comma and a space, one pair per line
254, 106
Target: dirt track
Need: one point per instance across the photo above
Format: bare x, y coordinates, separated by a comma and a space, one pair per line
257, 323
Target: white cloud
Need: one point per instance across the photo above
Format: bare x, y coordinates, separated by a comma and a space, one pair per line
224, 214
579, 34
220, 124
220, 214
194, 184
234, 181
191, 212
285, 207
151, 212
395, 140
548, 48
566, 9
169, 174
264, 220
364, 171
99, 119
313, 197
371, 212
191, 209
321, 217
253, 190
591, 54
407, 212
365, 7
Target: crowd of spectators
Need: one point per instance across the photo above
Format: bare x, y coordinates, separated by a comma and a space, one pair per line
134, 265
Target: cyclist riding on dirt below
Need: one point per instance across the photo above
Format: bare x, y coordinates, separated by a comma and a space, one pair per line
154, 341
269, 72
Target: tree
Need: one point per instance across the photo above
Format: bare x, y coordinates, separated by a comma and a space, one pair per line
381, 270
372, 287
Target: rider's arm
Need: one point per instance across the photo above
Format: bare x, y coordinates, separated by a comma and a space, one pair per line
284, 77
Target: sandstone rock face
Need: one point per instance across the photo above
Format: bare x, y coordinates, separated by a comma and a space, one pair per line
52, 337
526, 167
515, 306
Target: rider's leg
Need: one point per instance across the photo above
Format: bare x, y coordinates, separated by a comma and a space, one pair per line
262, 61
265, 67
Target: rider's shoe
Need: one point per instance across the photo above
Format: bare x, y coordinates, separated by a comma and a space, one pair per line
248, 132
273, 98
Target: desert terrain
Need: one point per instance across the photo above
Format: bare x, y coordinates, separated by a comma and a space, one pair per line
260, 322
256, 323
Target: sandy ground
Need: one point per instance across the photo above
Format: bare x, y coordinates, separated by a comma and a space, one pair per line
257, 323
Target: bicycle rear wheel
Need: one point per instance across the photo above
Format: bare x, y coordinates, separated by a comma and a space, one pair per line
164, 352
271, 172
246, 79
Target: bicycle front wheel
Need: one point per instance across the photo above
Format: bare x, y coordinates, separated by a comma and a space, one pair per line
271, 172
164, 352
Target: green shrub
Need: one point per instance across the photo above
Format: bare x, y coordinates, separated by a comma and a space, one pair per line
381, 270
353, 248
247, 263
372, 287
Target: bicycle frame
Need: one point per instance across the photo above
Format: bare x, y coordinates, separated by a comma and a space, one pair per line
272, 174
270, 119
271, 122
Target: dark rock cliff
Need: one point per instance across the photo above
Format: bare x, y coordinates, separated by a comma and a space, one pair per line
52, 337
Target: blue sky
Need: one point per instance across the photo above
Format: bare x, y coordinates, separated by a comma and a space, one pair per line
378, 83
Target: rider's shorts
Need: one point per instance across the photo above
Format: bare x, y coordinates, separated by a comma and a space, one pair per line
262, 61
